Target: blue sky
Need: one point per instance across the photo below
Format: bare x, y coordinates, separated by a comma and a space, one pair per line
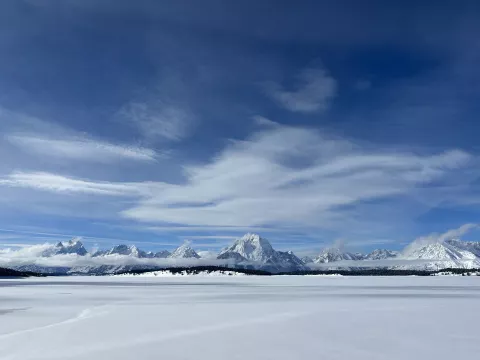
309, 122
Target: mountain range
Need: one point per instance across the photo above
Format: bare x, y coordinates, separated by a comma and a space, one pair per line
254, 252
451, 253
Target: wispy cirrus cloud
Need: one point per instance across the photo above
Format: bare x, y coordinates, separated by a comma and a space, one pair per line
161, 113
280, 176
291, 175
313, 91
67, 185
47, 139
157, 120
81, 148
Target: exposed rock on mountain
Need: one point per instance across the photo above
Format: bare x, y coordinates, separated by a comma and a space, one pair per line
335, 254
73, 246
253, 249
381, 254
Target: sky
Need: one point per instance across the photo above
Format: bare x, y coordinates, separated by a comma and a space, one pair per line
308, 122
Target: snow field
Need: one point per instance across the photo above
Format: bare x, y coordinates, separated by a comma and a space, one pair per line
244, 317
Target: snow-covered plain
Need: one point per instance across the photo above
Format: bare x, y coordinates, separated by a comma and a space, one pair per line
244, 317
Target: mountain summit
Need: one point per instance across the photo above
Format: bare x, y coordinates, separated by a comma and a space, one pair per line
184, 252
73, 246
128, 250
251, 248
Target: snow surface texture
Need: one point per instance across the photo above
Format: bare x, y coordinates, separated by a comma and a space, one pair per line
245, 317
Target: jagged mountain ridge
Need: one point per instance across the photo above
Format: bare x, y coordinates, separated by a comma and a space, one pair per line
253, 251
446, 254
73, 246
381, 254
332, 254
452, 253
470, 246
129, 250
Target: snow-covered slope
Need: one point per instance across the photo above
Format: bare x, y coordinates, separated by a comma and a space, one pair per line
287, 261
381, 254
470, 246
439, 255
129, 250
251, 248
162, 254
106, 269
184, 252
329, 255
419, 255
49, 270
307, 260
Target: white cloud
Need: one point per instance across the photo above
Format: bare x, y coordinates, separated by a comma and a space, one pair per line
206, 254
11, 121
10, 245
439, 238
214, 237
290, 176
457, 233
158, 120
263, 121
80, 148
61, 184
315, 88
50, 140
281, 176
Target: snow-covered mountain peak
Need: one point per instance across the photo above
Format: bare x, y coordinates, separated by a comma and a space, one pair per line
251, 247
431, 250
73, 246
183, 252
254, 239
255, 249
128, 250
